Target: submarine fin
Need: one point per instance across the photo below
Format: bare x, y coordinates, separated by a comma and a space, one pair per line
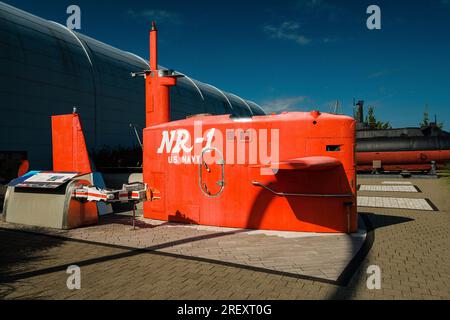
306, 163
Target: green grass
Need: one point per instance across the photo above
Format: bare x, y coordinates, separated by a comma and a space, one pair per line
445, 173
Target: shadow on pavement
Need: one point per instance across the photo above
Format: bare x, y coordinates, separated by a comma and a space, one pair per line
40, 240
31, 249
126, 220
20, 257
373, 221
380, 221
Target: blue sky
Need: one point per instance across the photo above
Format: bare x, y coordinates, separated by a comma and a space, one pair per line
290, 55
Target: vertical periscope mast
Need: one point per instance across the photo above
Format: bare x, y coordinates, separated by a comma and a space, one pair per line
157, 86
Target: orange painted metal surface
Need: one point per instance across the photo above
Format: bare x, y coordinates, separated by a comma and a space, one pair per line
69, 146
82, 213
308, 163
403, 160
308, 174
293, 171
159, 86
23, 168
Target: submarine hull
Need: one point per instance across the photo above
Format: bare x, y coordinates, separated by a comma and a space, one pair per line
419, 160
311, 186
403, 153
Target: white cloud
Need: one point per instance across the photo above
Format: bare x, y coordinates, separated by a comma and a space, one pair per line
288, 30
383, 73
330, 40
308, 13
285, 104
314, 4
320, 9
160, 16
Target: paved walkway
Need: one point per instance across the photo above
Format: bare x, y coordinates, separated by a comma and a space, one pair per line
321, 257
410, 247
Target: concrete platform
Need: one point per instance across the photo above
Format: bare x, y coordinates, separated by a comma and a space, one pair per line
388, 188
395, 203
398, 182
319, 257
418, 176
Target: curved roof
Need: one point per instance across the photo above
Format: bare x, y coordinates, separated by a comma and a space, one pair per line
47, 69
256, 109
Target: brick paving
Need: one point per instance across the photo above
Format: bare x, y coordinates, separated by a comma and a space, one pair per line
410, 247
323, 256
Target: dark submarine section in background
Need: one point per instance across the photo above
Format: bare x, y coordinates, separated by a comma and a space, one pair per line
400, 149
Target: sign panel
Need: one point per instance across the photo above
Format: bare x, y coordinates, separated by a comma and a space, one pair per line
43, 179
